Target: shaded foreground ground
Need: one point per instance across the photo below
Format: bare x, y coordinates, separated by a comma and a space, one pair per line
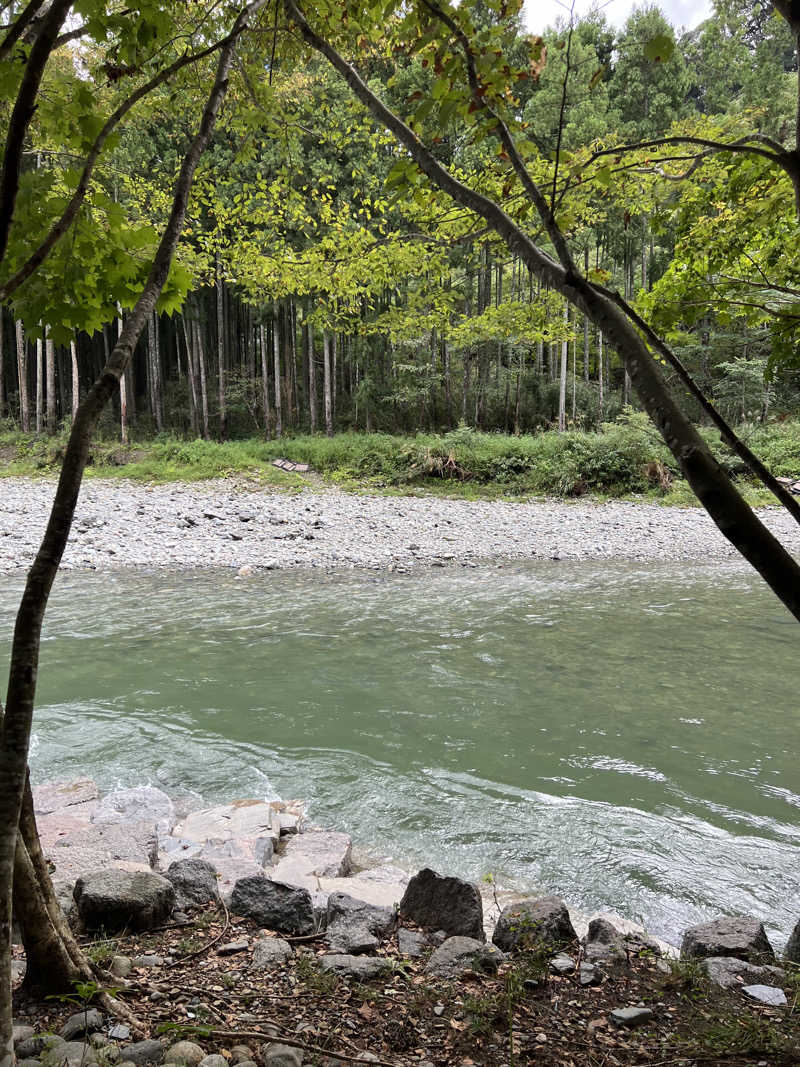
523, 1015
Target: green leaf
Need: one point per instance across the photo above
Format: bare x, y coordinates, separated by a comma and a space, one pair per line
660, 48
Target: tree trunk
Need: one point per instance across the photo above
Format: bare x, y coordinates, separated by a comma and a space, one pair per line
276, 358
22, 377
2, 370
76, 399
223, 410
17, 720
39, 386
326, 382
600, 370
262, 339
201, 364
312, 380
562, 390
50, 365
195, 422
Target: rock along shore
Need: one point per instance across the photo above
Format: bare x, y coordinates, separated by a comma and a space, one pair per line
232, 524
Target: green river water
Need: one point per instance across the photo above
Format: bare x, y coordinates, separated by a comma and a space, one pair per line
623, 735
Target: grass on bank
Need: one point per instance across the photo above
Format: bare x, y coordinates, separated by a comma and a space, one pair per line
626, 459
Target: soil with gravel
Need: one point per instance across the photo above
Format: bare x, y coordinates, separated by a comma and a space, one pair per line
236, 524
197, 982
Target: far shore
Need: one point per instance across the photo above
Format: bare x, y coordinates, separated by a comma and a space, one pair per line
235, 524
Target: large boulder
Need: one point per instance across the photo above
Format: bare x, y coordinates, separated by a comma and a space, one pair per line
143, 803
437, 902
273, 905
741, 936
194, 882
459, 954
540, 924
118, 900
354, 926
792, 951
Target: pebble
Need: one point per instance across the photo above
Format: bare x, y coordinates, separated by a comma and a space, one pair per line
634, 1016
122, 524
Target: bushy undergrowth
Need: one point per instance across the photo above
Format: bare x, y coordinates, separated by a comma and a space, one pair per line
627, 457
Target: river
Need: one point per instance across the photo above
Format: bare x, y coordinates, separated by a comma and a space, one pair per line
622, 735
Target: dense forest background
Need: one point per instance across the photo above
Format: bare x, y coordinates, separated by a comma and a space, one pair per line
322, 287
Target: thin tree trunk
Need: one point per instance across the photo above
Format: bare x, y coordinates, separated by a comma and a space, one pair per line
562, 391
600, 371
223, 410
76, 399
312, 380
190, 376
201, 363
262, 338
276, 358
2, 370
326, 382
50, 367
39, 385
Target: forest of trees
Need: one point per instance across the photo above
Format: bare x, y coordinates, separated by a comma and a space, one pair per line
318, 289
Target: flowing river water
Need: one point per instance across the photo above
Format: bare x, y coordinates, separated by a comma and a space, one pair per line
623, 735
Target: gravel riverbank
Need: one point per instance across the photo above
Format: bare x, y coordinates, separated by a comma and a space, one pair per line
227, 524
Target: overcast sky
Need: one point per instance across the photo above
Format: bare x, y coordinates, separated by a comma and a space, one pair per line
686, 13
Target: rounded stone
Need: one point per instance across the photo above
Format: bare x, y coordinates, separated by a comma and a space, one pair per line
186, 1052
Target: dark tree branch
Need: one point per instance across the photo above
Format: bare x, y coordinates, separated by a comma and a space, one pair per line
19, 26
735, 519
61, 226
22, 114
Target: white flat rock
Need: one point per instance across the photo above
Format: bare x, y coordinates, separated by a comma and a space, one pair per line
246, 818
306, 858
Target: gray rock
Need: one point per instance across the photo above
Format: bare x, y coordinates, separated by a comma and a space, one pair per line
81, 1023
186, 1052
737, 935
148, 962
241, 1053
143, 1052
634, 1016
542, 923
20, 1032
604, 943
411, 942
101, 1041
441, 903
361, 968
725, 971
792, 950
354, 926
194, 882
29, 1048
562, 964
140, 804
121, 967
120, 1032
28, 1062
213, 1061
118, 900
460, 954
129, 846
589, 974
69, 1053
273, 905
766, 994
278, 1055
268, 953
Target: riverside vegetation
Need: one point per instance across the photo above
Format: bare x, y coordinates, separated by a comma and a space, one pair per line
627, 458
